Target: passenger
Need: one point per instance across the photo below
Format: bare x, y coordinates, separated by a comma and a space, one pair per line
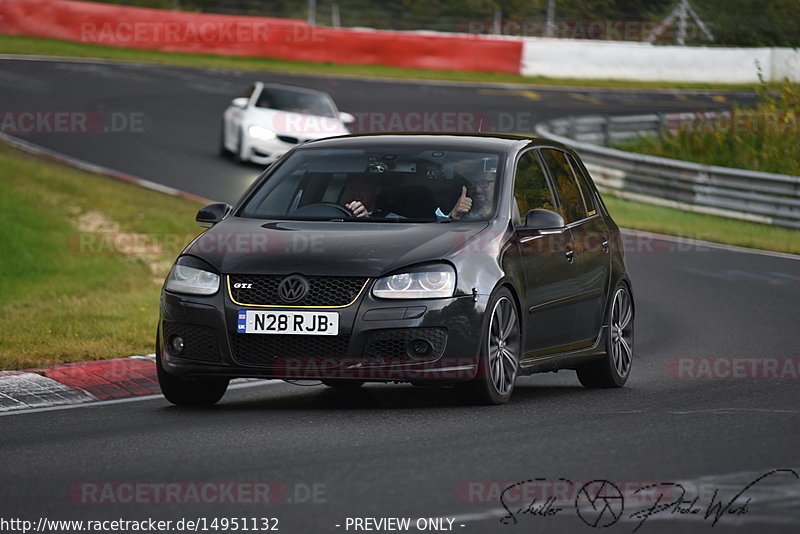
476, 200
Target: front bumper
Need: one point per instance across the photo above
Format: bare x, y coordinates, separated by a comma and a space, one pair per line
378, 341
264, 152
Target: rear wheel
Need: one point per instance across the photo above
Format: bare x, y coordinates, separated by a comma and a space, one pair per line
498, 362
223, 150
613, 370
189, 392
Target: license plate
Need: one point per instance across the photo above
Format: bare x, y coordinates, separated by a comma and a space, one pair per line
281, 322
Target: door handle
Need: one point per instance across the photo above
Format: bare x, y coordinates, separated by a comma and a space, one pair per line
570, 254
605, 245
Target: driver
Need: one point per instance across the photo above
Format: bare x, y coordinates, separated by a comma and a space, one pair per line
364, 195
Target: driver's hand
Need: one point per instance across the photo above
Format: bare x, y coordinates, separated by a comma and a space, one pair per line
463, 205
357, 208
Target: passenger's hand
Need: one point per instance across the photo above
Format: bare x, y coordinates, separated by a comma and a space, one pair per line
463, 205
358, 209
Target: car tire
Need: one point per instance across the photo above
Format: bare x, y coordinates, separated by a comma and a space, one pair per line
189, 392
613, 370
498, 361
239, 154
343, 384
223, 150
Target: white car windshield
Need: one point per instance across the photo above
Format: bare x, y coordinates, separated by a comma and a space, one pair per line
304, 102
410, 184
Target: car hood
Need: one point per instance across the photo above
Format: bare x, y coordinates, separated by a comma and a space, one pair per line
298, 125
253, 246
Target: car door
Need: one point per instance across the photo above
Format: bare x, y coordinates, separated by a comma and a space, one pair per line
592, 258
579, 209
549, 270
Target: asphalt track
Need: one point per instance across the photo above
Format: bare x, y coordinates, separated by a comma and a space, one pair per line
397, 451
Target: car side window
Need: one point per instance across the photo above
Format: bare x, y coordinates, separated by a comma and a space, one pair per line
530, 185
570, 200
583, 184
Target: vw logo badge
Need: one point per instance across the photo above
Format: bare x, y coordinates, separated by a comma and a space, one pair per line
293, 288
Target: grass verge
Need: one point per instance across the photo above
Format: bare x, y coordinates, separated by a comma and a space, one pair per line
12, 44
83, 262
670, 221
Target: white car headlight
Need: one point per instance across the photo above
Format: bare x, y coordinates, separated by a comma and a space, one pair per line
259, 132
191, 280
435, 281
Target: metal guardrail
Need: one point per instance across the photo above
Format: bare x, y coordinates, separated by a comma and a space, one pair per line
737, 193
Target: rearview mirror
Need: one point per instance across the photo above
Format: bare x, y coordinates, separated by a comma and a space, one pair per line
240, 102
545, 221
346, 118
210, 215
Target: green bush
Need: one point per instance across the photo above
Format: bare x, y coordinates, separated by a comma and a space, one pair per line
764, 138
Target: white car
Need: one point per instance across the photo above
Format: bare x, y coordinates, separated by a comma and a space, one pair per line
269, 119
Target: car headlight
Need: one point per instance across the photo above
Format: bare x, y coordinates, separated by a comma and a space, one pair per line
259, 132
193, 277
433, 281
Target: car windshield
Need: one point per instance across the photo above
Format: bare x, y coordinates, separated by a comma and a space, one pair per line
408, 184
296, 101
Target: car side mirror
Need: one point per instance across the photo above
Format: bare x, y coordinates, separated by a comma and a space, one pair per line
240, 102
545, 221
210, 215
346, 118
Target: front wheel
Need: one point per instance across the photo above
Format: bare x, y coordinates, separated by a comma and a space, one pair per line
498, 362
613, 370
194, 392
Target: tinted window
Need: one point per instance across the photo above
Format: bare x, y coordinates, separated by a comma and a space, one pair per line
247, 94
583, 184
295, 102
530, 186
569, 197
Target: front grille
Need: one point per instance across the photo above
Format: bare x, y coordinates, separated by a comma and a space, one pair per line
272, 350
288, 139
198, 341
396, 345
327, 291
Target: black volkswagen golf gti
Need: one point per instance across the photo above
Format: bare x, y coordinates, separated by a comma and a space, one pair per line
454, 260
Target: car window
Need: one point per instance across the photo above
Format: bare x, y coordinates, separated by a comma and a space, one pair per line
407, 183
570, 200
530, 185
296, 102
247, 94
583, 185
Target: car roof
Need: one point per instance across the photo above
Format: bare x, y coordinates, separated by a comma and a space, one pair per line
493, 142
295, 88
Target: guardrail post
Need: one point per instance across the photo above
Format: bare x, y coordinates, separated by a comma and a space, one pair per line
662, 125
608, 127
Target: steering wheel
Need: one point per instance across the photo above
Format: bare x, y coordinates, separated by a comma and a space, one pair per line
324, 209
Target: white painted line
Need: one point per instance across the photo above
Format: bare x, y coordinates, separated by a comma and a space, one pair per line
33, 148
238, 385
31, 390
